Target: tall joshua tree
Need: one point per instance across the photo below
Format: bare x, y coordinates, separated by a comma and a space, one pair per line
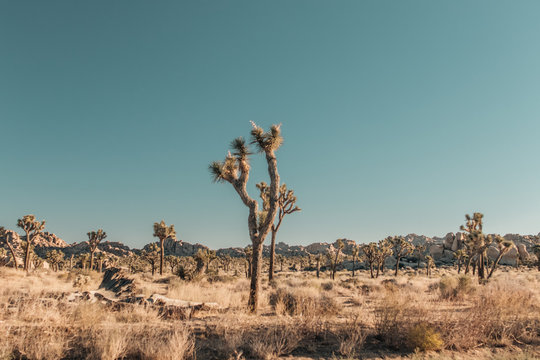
286, 205
162, 231
477, 243
235, 170
333, 257
6, 236
400, 248
371, 254
33, 229
94, 238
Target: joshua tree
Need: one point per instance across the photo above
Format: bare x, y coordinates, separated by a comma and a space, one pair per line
54, 258
318, 259
280, 259
152, 256
477, 243
460, 256
37, 262
33, 230
100, 257
333, 257
235, 170
162, 231
419, 250
385, 250
429, 264
6, 236
173, 262
286, 205
85, 260
94, 238
371, 254
503, 246
400, 248
355, 253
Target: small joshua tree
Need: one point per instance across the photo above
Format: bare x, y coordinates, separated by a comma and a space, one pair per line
355, 253
371, 254
461, 256
286, 204
37, 262
333, 257
94, 238
419, 250
429, 265
162, 231
503, 246
55, 259
385, 250
173, 262
152, 256
476, 243
7, 237
100, 257
33, 230
235, 170
400, 248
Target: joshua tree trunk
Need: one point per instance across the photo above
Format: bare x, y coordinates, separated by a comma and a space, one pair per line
256, 268
318, 268
353, 264
12, 251
92, 260
371, 269
100, 265
161, 256
495, 263
397, 266
459, 264
27, 252
272, 254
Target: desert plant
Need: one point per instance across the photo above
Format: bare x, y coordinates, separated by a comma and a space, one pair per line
355, 253
400, 248
384, 251
162, 232
33, 230
424, 337
477, 243
461, 256
6, 237
286, 205
152, 256
503, 246
54, 258
371, 254
429, 264
420, 251
333, 257
235, 170
94, 238
173, 262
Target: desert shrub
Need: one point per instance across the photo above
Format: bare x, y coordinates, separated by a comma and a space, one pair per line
455, 288
351, 338
327, 286
273, 342
295, 302
424, 337
176, 343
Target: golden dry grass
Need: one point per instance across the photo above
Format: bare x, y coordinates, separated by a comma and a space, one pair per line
301, 317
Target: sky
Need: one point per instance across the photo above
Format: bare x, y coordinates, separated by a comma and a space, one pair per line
398, 116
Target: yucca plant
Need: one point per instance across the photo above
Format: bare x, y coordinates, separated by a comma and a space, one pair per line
355, 253
385, 250
55, 259
235, 169
503, 246
162, 232
94, 238
173, 262
461, 256
400, 248
152, 256
476, 243
6, 237
429, 264
286, 206
371, 254
33, 230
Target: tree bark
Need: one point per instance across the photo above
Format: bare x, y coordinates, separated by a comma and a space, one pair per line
272, 254
397, 266
256, 267
92, 259
27, 252
15, 264
162, 256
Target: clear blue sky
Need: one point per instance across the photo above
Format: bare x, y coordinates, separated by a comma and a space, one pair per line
398, 116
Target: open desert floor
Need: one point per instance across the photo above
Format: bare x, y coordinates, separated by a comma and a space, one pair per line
58, 315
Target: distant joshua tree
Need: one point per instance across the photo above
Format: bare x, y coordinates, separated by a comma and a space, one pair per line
419, 250
429, 265
55, 259
371, 254
503, 246
318, 260
400, 248
384, 251
235, 170
152, 256
173, 262
333, 257
100, 257
461, 256
33, 230
162, 231
94, 238
355, 254
476, 244
6, 237
286, 204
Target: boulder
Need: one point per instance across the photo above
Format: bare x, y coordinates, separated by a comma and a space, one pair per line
436, 251
449, 240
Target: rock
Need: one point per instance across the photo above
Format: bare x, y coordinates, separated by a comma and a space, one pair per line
449, 241
523, 253
119, 282
510, 258
436, 251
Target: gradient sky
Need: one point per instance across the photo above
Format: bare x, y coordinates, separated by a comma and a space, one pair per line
398, 116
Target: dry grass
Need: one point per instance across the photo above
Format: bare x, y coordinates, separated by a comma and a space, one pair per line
301, 317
